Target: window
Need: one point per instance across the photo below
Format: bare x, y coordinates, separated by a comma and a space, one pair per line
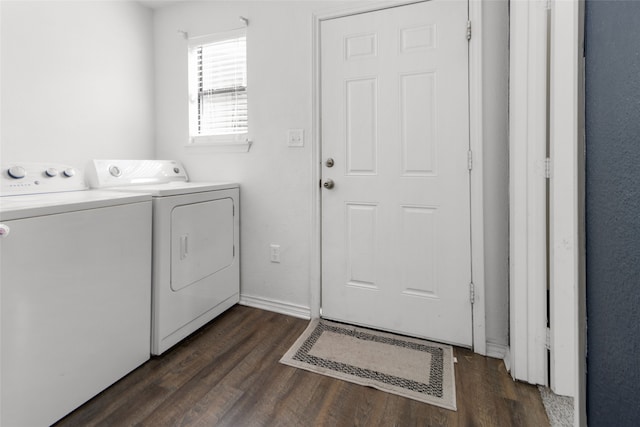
218, 88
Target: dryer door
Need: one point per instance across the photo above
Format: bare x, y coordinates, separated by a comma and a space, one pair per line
201, 241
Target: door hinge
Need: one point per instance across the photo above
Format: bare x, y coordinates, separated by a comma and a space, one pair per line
548, 5
472, 293
547, 341
547, 168
470, 159
468, 30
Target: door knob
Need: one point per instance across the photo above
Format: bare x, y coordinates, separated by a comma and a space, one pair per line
329, 184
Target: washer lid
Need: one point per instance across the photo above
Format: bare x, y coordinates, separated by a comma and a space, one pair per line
177, 188
33, 205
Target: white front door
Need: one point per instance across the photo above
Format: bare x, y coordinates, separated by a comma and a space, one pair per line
396, 238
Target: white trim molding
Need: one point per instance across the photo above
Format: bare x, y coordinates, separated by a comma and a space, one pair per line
220, 147
563, 198
527, 189
476, 145
497, 351
477, 176
276, 306
566, 214
315, 240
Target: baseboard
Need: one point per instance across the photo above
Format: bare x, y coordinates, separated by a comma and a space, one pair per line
507, 360
281, 307
497, 351
500, 351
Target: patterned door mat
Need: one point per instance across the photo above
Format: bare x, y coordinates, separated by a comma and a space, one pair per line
409, 367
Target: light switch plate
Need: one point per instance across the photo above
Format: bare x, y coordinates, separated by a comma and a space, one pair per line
295, 137
274, 252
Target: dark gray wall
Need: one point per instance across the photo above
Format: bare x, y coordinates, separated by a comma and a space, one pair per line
612, 37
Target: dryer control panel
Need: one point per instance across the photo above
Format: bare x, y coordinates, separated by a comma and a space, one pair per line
118, 173
37, 178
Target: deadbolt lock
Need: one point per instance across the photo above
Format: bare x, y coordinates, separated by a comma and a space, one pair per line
329, 163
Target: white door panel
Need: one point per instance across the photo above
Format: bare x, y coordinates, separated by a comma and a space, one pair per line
201, 241
396, 249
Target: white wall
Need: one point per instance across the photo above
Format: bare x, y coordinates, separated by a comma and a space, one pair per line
276, 180
77, 81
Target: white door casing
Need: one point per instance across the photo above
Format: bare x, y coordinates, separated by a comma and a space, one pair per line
527, 191
566, 203
396, 242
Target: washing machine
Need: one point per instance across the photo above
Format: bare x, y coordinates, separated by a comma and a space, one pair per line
196, 247
75, 290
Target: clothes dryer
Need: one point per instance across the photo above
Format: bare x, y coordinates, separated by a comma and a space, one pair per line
196, 247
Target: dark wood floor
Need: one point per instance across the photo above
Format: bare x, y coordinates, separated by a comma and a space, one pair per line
227, 374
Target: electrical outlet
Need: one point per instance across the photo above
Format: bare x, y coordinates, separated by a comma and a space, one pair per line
274, 251
295, 138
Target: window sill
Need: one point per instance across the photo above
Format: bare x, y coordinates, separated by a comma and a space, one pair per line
221, 147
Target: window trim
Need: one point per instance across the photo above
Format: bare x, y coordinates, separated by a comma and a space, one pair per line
234, 142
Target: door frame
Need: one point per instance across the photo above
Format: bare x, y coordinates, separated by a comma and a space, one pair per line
566, 246
530, 29
566, 254
475, 144
527, 189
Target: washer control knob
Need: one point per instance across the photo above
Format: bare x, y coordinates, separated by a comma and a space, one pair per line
51, 172
4, 230
115, 171
69, 172
17, 172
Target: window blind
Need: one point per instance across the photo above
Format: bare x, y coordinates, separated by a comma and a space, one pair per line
222, 87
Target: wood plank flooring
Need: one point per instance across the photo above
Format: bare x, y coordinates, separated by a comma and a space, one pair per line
227, 374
